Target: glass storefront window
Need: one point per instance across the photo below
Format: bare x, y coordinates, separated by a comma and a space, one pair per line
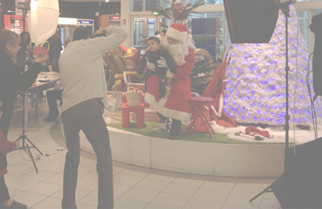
137, 6
207, 31
304, 26
163, 24
207, 1
142, 27
146, 5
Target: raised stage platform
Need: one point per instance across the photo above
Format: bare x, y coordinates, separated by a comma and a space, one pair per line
239, 160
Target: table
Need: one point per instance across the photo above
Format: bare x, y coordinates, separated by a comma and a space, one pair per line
34, 90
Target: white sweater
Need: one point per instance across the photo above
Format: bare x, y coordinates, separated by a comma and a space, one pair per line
81, 68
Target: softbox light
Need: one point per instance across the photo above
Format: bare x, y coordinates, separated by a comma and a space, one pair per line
300, 184
42, 19
251, 21
316, 28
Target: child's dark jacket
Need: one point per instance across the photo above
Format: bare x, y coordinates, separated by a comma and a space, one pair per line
153, 57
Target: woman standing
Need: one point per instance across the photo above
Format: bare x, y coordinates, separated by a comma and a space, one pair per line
11, 80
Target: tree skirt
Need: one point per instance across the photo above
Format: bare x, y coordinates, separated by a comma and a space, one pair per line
301, 136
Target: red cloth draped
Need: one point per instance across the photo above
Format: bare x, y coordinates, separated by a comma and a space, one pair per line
215, 90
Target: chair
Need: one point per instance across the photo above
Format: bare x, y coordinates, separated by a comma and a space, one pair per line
138, 110
197, 104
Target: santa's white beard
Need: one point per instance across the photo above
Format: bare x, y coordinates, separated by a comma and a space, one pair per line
177, 51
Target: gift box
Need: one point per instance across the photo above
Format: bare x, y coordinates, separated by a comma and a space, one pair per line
149, 115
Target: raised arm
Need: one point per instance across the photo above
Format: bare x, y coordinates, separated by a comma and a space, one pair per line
23, 81
105, 44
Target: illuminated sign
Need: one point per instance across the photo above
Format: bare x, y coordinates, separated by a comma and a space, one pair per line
115, 17
16, 25
151, 21
87, 22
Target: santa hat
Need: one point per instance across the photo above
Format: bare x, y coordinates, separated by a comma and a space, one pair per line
179, 32
135, 58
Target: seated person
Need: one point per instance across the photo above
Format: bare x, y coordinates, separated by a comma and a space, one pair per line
152, 55
53, 96
178, 42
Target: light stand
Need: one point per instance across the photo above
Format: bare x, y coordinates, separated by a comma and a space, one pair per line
23, 137
286, 11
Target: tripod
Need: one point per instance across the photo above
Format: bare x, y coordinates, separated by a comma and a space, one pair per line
286, 11
23, 136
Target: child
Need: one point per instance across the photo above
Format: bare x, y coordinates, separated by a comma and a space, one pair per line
153, 54
131, 73
6, 147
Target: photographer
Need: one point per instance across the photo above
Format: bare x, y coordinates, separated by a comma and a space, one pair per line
11, 80
84, 99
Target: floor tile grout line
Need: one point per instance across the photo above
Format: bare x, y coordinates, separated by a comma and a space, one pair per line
163, 189
230, 192
197, 190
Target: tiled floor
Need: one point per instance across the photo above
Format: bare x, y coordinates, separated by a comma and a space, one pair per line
134, 187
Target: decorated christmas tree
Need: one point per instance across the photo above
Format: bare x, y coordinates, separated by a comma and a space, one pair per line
255, 89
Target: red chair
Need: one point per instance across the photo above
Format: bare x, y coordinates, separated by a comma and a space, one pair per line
197, 104
138, 110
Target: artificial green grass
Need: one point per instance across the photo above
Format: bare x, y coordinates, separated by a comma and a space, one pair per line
191, 136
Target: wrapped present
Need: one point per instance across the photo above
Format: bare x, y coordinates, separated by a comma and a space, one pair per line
149, 115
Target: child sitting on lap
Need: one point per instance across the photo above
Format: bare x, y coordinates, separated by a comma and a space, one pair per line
153, 54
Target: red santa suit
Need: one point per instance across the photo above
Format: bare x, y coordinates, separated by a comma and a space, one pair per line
175, 103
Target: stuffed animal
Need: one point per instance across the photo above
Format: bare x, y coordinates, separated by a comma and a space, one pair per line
131, 73
41, 48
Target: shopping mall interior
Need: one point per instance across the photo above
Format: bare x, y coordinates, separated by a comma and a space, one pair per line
151, 171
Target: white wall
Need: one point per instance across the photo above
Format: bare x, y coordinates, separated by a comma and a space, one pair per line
125, 15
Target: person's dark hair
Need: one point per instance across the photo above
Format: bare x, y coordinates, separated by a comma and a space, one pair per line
157, 32
157, 40
81, 33
164, 31
22, 36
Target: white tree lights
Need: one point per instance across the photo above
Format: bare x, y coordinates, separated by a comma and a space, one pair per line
255, 90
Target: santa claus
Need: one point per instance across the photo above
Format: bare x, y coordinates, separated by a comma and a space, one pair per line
178, 42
